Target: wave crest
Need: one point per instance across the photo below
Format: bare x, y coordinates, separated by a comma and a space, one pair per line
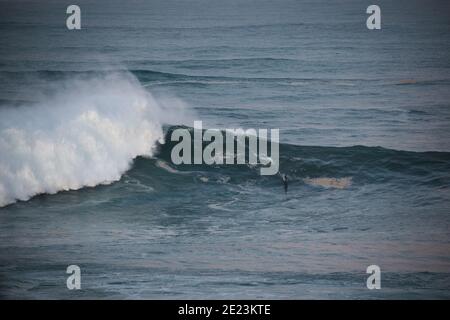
86, 134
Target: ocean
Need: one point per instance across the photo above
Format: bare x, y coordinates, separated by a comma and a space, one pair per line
86, 176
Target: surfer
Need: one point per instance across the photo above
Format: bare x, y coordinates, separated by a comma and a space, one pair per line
285, 182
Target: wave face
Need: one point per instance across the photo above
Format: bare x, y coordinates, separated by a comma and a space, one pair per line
85, 134
335, 167
72, 143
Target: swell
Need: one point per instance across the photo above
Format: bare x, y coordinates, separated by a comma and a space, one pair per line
149, 76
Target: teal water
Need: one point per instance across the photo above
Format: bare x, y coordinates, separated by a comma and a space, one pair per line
364, 120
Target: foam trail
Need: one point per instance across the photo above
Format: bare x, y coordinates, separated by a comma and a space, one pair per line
339, 183
84, 135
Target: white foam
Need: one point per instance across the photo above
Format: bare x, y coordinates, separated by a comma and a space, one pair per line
339, 183
86, 134
164, 165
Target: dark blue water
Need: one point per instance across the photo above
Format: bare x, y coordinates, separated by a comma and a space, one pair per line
364, 119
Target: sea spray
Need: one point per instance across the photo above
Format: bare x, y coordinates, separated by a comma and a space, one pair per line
86, 134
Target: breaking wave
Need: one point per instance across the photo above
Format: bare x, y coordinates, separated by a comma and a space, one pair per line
85, 133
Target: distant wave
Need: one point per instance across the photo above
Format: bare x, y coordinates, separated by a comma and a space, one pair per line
162, 77
212, 28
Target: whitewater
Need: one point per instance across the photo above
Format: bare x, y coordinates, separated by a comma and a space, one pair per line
86, 134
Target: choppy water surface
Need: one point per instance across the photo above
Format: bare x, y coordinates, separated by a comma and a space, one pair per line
364, 120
